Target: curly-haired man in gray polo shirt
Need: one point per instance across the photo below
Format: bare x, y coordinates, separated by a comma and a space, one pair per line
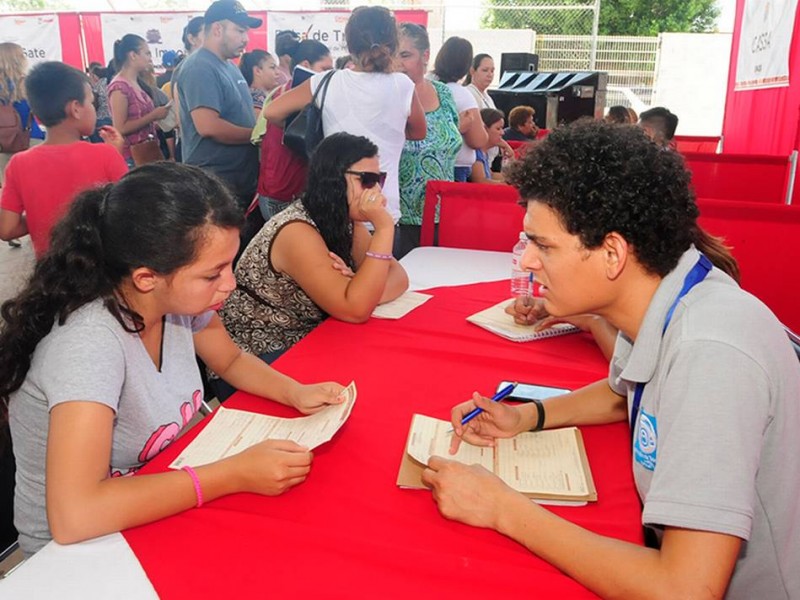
701, 369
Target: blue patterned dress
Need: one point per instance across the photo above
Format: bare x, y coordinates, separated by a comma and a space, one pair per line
433, 158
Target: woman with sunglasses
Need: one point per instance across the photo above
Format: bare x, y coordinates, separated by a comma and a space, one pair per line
316, 258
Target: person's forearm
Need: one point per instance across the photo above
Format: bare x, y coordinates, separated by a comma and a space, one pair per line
122, 502
396, 282
476, 136
225, 132
366, 288
250, 374
605, 335
609, 567
12, 226
594, 404
171, 147
129, 126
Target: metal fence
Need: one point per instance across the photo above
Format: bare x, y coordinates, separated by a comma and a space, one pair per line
567, 17
629, 61
565, 38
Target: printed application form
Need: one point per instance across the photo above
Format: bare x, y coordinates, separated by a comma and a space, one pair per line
232, 431
548, 465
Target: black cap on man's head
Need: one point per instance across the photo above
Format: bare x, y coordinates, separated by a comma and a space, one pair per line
230, 10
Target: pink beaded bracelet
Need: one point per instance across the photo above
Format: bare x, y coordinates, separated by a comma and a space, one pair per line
197, 490
379, 256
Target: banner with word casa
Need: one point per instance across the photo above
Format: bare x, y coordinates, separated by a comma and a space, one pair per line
39, 36
326, 27
764, 44
162, 31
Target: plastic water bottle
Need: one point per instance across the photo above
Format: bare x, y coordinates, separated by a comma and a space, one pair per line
520, 279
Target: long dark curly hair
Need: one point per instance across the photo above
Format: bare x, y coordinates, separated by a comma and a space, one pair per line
155, 217
325, 198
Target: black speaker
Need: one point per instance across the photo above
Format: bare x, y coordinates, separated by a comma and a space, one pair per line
518, 61
557, 98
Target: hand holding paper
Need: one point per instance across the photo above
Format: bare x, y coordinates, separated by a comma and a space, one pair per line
467, 493
310, 399
273, 466
232, 431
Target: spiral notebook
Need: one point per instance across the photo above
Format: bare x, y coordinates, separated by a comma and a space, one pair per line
496, 320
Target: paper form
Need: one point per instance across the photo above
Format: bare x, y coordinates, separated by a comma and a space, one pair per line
549, 464
232, 431
401, 306
556, 456
431, 437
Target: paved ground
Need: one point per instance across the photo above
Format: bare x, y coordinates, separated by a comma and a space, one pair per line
16, 265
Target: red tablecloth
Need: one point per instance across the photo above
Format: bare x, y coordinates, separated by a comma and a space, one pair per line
348, 531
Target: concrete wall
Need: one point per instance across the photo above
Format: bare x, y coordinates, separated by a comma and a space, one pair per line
691, 80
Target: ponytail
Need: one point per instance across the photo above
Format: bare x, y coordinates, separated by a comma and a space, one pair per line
371, 34
154, 217
70, 275
125, 45
717, 252
378, 59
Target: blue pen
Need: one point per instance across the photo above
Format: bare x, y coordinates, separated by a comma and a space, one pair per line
499, 396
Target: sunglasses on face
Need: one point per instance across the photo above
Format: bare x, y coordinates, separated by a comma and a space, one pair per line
368, 178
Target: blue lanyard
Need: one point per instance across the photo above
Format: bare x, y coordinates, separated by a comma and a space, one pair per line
693, 277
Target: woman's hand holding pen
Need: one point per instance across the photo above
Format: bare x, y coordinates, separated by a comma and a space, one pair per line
498, 420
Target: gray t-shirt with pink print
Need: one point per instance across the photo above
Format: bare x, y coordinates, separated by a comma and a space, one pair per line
92, 358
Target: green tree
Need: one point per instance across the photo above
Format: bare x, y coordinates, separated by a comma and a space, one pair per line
651, 17
12, 6
617, 17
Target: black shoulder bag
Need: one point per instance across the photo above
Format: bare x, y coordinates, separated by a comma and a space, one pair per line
304, 133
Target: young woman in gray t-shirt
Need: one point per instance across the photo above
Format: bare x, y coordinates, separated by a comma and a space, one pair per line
97, 360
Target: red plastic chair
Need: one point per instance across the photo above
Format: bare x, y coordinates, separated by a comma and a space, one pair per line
472, 215
520, 148
750, 178
696, 143
764, 240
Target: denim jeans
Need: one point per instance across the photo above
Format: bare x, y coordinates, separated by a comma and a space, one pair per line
462, 174
270, 207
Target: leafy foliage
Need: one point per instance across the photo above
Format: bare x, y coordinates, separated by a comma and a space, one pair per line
617, 17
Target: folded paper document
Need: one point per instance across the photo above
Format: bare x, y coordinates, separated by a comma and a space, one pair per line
232, 431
